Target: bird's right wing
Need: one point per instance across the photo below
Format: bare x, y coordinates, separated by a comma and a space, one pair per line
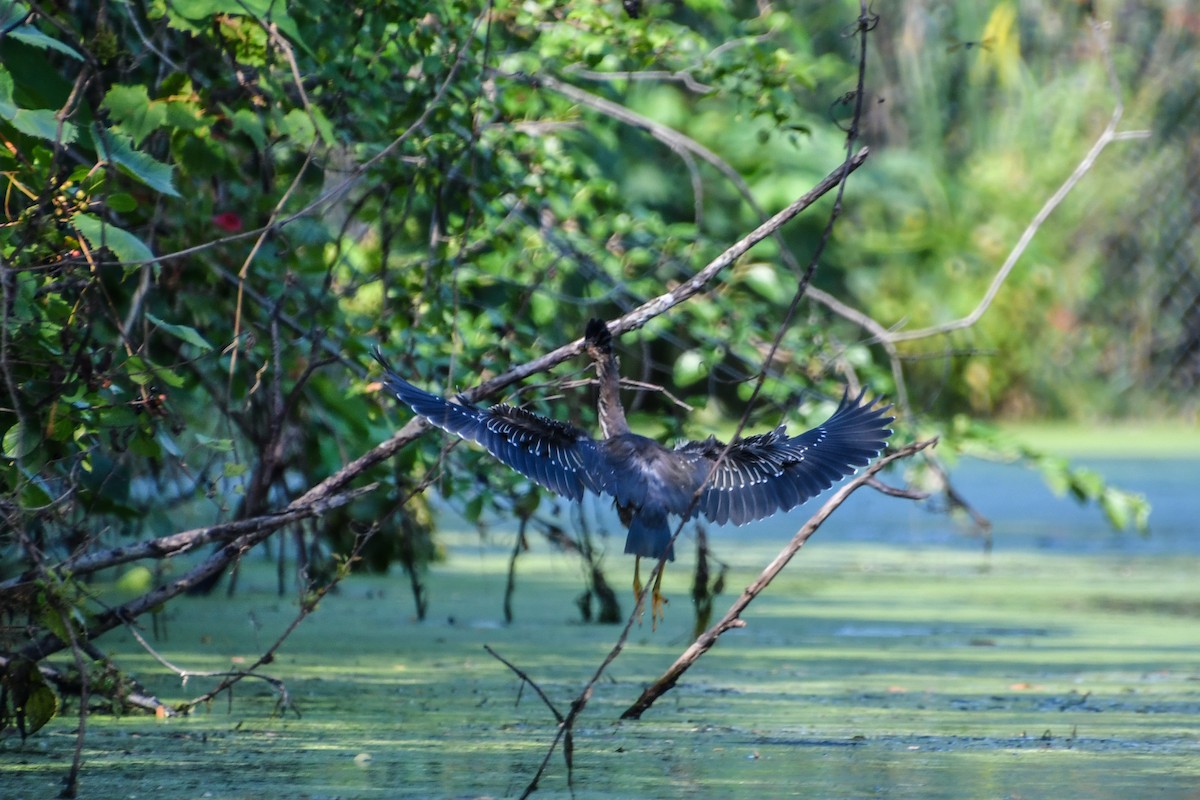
544, 450
771, 472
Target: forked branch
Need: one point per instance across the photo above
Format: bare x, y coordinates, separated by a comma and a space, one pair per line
732, 618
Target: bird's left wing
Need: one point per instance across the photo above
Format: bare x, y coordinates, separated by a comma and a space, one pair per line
772, 472
544, 450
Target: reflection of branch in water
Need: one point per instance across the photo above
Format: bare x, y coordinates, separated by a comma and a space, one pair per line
526, 680
705, 587
956, 501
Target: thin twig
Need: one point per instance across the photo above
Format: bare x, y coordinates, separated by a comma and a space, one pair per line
528, 680
185, 541
732, 618
682, 76
838, 180
186, 675
896, 491
1107, 137
308, 605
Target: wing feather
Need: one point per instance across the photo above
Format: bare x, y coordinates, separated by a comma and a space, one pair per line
547, 451
772, 472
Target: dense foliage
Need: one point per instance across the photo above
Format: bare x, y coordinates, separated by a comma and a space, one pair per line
214, 208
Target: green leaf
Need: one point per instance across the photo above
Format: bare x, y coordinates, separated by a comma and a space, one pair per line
139, 373
136, 580
143, 372
689, 368
169, 377
33, 702
543, 309
132, 109
189, 335
249, 123
1125, 509
20, 441
35, 495
44, 123
1116, 507
1086, 484
40, 122
297, 125
117, 149
8, 107
12, 14
220, 445
762, 278
121, 202
35, 38
233, 469
40, 708
324, 127
1056, 474
124, 245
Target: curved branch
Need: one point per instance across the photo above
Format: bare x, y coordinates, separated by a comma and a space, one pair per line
732, 618
639, 316
664, 133
1107, 137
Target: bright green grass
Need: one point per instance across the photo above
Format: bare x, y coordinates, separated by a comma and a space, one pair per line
1168, 439
865, 671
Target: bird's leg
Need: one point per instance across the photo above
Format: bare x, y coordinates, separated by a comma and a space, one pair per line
657, 601
637, 578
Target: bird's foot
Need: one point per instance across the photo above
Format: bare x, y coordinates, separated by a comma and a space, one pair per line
657, 601
657, 605
637, 586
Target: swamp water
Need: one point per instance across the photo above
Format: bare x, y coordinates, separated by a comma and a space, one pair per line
891, 659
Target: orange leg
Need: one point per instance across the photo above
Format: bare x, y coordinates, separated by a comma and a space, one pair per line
657, 601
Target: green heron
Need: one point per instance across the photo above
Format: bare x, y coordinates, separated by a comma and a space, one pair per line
758, 475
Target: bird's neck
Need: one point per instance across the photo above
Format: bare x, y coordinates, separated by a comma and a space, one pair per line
612, 414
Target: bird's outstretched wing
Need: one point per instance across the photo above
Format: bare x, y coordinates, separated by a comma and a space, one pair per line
544, 450
773, 472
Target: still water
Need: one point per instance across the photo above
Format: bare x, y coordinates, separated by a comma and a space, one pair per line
893, 658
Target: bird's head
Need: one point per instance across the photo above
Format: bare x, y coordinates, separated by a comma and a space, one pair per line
597, 340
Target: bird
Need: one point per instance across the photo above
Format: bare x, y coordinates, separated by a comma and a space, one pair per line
750, 479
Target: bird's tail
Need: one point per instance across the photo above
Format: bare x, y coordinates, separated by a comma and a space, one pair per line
649, 534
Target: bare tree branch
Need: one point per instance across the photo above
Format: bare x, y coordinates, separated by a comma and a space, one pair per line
185, 541
680, 76
251, 532
526, 679
1109, 135
657, 306
732, 618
